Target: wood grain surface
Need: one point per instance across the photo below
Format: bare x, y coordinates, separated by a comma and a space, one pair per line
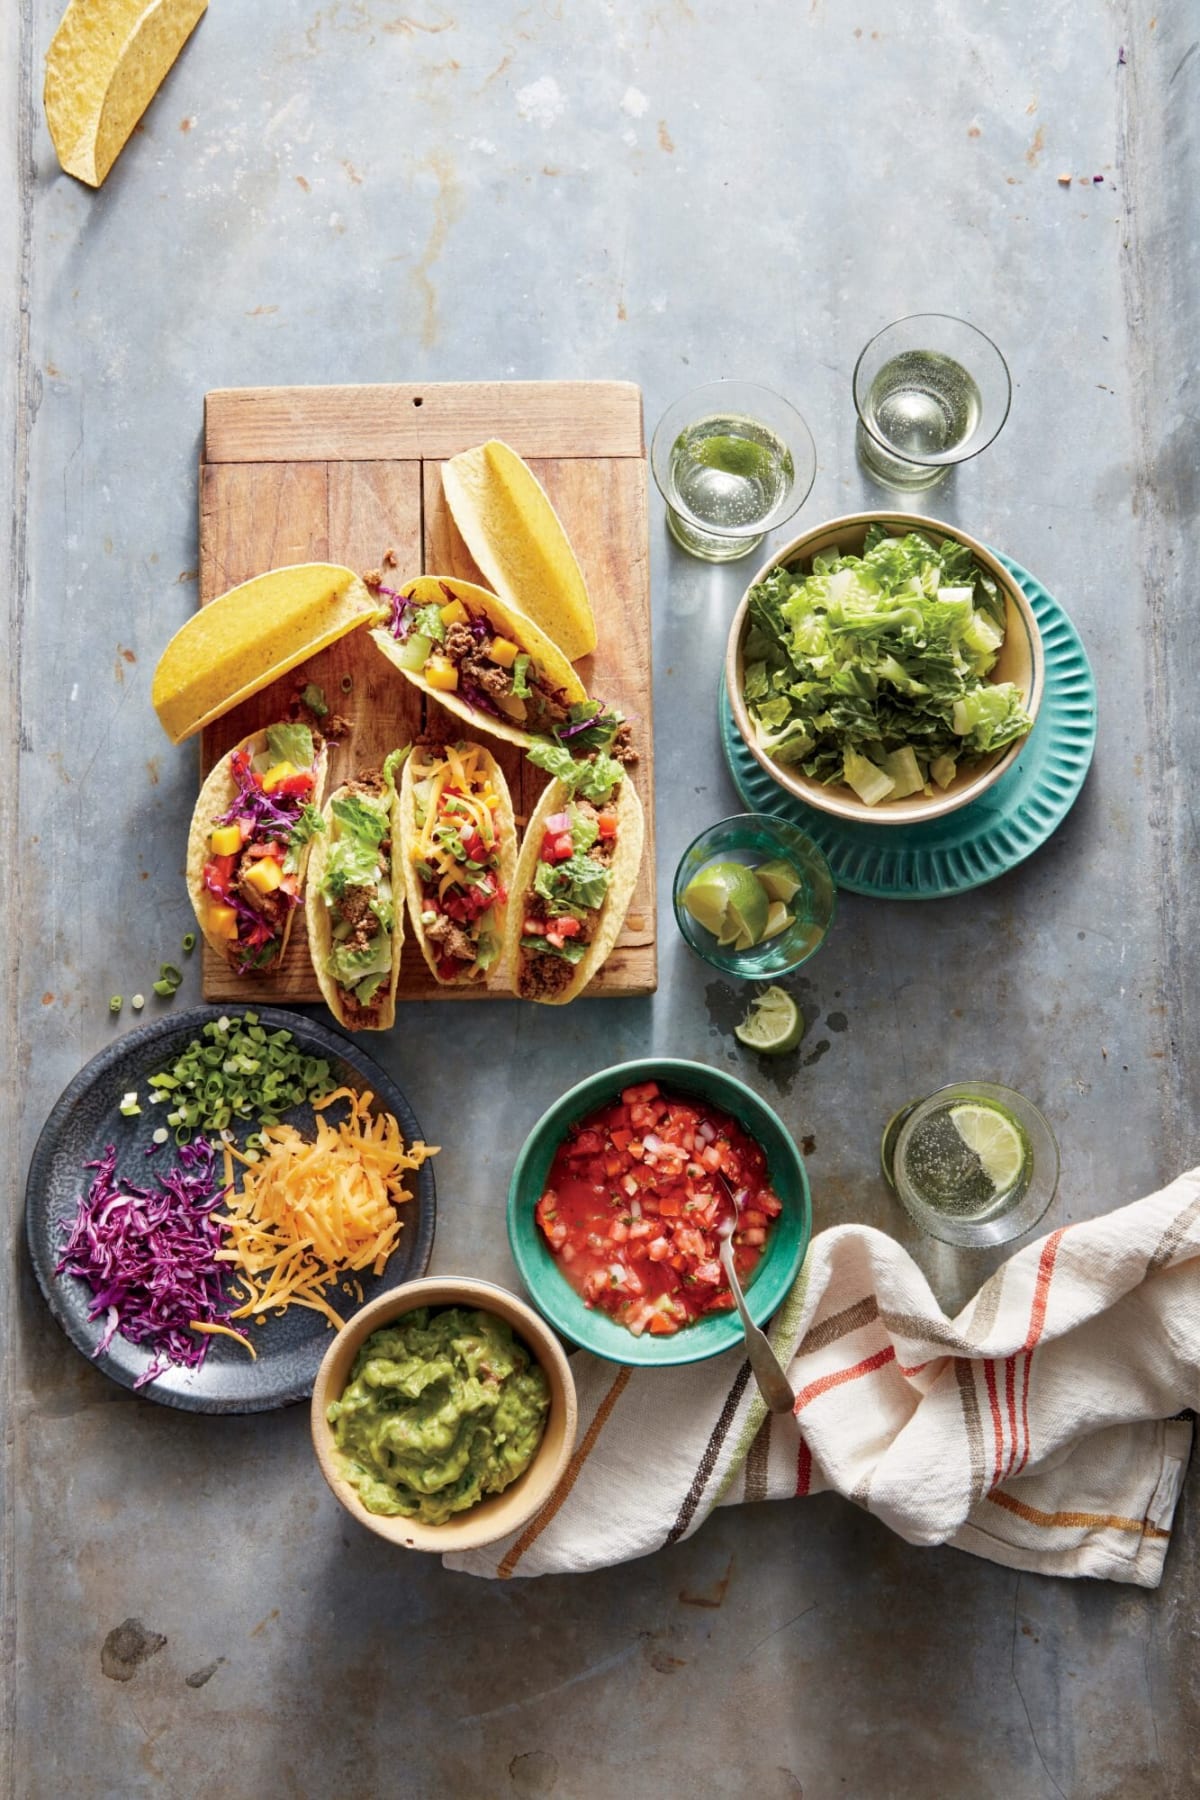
401, 423
284, 504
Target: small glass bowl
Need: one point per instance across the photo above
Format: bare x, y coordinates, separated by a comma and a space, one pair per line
754, 839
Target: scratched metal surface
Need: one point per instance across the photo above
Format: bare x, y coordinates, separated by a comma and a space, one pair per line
386, 189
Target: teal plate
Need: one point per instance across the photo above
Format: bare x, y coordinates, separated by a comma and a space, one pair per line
984, 839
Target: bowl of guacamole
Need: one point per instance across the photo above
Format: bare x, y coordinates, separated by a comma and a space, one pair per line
444, 1414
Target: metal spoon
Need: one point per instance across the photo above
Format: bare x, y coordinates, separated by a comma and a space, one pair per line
773, 1384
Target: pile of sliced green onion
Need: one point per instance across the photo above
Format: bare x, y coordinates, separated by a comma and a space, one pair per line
237, 1070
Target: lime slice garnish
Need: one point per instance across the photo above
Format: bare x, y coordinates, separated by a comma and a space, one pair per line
779, 879
996, 1139
734, 456
773, 1025
778, 919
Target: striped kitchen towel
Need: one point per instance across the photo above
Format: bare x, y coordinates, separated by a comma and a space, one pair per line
1035, 1429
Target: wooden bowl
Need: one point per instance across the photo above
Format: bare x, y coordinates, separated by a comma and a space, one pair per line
499, 1514
1021, 661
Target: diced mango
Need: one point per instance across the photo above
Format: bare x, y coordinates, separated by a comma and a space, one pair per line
455, 613
265, 875
441, 673
276, 773
226, 840
503, 651
222, 920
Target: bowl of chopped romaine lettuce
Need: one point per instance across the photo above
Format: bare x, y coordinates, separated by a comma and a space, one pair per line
885, 668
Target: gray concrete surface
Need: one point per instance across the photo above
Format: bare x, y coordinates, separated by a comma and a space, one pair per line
425, 189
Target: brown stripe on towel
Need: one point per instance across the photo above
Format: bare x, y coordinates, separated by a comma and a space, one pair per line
712, 1450
1175, 1236
964, 1374
840, 1325
757, 1458
538, 1524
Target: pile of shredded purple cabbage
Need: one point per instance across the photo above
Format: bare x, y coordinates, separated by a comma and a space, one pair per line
148, 1256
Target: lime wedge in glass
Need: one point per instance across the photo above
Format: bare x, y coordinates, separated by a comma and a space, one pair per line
778, 919
780, 880
774, 1024
727, 900
734, 456
997, 1141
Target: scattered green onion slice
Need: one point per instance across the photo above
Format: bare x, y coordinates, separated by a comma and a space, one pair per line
115, 1004
189, 942
161, 1135
138, 1001
129, 1105
165, 988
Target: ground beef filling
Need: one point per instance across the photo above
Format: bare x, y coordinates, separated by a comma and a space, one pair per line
451, 939
542, 974
353, 908
543, 706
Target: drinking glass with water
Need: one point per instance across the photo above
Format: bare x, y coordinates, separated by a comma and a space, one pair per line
732, 460
974, 1164
930, 391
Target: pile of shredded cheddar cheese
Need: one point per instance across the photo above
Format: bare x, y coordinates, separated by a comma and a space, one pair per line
310, 1211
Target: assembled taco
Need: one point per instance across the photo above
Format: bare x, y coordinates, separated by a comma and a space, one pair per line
249, 842
575, 875
480, 658
460, 855
355, 903
505, 518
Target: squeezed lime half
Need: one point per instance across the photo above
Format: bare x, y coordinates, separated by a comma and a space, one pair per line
773, 1026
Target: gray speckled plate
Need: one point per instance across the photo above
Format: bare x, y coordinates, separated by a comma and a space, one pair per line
87, 1117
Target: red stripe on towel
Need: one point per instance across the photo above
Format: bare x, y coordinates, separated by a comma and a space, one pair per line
823, 1385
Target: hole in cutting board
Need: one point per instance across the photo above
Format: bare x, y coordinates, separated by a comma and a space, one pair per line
417, 400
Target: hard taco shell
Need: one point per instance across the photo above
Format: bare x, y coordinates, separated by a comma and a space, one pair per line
320, 931
505, 518
631, 829
216, 797
507, 830
548, 661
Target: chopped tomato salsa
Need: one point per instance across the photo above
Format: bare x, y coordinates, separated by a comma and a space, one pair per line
633, 1202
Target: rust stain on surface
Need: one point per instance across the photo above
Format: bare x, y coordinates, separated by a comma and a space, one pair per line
407, 27
447, 206
47, 999
352, 172
128, 655
152, 770
261, 312
715, 1598
257, 1630
1035, 149
185, 125
301, 182
665, 141
504, 63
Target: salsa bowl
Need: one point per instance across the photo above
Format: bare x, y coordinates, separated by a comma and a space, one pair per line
498, 1514
1020, 661
590, 1326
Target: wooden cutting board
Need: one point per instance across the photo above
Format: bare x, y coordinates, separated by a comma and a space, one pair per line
347, 474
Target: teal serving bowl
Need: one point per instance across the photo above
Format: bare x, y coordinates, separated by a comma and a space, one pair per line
594, 1330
